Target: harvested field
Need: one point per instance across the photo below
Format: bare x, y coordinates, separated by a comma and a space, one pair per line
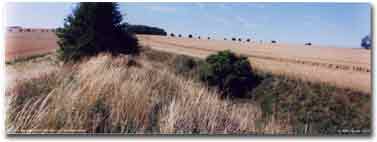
338, 58
23, 44
343, 67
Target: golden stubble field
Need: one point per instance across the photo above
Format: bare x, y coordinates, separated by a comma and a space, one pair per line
343, 67
23, 44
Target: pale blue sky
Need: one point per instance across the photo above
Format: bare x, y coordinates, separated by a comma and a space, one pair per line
334, 24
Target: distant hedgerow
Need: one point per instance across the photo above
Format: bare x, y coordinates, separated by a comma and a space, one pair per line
147, 30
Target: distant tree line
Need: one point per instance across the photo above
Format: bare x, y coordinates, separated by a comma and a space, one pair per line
148, 30
366, 42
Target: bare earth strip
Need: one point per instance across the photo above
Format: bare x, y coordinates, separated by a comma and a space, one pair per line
307, 68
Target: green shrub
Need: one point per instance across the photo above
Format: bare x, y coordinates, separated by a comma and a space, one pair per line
93, 28
229, 73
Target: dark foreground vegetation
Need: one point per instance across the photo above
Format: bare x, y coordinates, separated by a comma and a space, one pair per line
311, 108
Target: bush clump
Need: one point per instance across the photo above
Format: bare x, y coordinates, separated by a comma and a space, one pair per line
231, 74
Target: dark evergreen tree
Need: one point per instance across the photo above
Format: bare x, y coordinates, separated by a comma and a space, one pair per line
93, 28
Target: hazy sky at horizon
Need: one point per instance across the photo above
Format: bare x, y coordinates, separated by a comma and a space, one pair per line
320, 23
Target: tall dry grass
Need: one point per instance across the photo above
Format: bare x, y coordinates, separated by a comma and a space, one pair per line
122, 95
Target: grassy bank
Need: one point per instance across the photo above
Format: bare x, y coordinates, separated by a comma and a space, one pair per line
126, 95
160, 92
311, 108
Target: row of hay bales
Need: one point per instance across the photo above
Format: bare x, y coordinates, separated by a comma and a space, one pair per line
20, 29
288, 60
233, 39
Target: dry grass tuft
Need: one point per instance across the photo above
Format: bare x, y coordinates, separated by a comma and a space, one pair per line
122, 95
